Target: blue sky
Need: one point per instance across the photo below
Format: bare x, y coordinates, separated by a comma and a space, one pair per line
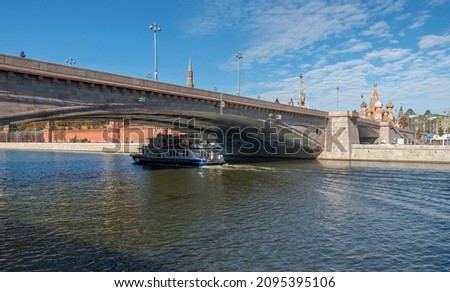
403, 46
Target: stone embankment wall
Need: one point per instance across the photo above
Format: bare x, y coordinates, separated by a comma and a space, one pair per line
110, 148
401, 153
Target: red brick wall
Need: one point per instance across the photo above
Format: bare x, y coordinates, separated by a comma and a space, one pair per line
114, 133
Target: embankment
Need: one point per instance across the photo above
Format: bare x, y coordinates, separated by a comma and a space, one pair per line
401, 153
109, 148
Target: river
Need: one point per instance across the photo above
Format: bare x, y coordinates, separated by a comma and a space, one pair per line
97, 212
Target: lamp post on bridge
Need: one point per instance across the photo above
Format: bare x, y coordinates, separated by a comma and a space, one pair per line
155, 29
239, 56
301, 95
71, 61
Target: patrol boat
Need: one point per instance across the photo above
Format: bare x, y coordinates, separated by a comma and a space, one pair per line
179, 151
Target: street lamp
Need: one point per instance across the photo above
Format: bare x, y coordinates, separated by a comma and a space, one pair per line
71, 61
301, 95
411, 126
239, 56
155, 29
430, 118
447, 130
337, 97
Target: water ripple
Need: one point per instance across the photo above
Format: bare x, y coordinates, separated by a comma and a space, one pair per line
88, 212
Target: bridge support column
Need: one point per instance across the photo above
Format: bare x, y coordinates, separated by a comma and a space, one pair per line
341, 132
385, 133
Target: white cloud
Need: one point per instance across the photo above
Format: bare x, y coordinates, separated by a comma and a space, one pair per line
213, 16
432, 40
388, 54
384, 7
287, 29
338, 44
354, 46
379, 29
436, 2
420, 20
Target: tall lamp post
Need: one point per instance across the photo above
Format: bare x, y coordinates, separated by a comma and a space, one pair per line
413, 127
447, 130
155, 29
300, 96
337, 97
430, 118
239, 56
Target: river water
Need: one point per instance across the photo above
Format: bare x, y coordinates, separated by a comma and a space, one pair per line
95, 212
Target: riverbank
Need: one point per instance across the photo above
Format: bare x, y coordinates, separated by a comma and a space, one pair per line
358, 152
107, 148
400, 153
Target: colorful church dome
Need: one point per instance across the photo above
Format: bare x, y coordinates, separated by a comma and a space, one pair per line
378, 104
389, 104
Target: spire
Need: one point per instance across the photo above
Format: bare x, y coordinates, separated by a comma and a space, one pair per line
190, 75
400, 111
375, 98
363, 103
375, 92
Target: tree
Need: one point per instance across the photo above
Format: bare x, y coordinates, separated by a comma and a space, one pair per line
419, 134
441, 131
61, 135
403, 122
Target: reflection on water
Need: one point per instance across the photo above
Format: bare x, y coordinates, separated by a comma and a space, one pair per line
90, 212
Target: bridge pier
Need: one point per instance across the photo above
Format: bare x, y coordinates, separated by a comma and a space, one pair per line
386, 135
341, 131
344, 129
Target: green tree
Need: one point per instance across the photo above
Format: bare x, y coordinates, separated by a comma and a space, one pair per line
419, 134
441, 131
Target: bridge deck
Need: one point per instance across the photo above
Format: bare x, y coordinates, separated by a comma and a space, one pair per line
60, 72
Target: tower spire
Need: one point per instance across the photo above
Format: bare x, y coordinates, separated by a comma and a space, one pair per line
375, 98
190, 75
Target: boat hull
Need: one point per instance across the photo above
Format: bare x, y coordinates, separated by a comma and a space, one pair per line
164, 162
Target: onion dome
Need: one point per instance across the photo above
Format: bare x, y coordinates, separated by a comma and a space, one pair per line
378, 104
363, 104
389, 104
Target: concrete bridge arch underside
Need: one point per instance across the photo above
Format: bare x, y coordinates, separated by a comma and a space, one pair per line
37, 91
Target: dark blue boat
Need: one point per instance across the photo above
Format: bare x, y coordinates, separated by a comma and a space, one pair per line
170, 151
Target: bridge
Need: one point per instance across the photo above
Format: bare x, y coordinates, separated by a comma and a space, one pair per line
32, 90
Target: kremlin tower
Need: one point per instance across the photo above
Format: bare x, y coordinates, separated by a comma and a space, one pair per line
190, 75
